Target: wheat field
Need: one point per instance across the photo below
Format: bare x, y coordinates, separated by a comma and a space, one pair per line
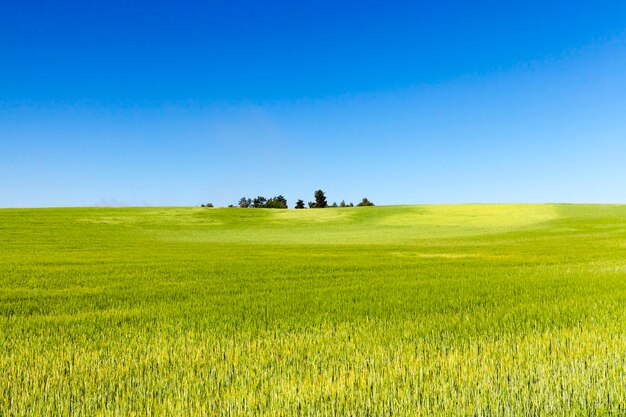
460, 310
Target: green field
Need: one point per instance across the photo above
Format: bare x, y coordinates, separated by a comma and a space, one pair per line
501, 310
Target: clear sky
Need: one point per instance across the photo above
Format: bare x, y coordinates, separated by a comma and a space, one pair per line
185, 102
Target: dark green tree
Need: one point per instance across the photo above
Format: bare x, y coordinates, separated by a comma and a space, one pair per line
334, 204
299, 204
259, 202
245, 202
278, 202
365, 202
320, 199
343, 203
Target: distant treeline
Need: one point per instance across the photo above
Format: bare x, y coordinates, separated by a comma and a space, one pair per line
280, 202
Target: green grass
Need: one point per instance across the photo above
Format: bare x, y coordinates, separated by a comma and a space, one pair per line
501, 310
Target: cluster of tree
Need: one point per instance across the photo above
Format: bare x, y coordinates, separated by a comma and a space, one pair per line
365, 203
278, 202
320, 202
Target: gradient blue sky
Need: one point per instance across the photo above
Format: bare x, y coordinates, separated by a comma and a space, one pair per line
180, 103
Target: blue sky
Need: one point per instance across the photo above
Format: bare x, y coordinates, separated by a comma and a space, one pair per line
180, 103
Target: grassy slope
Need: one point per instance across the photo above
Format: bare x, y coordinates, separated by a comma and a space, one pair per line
410, 310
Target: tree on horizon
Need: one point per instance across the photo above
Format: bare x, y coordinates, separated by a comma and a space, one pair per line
320, 199
259, 202
278, 202
245, 202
